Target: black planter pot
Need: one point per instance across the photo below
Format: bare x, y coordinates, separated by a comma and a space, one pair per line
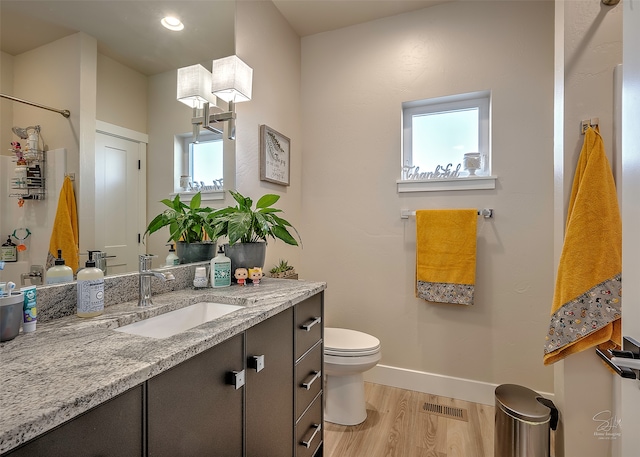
195, 252
246, 255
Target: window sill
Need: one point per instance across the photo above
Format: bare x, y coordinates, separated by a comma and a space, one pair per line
206, 195
436, 185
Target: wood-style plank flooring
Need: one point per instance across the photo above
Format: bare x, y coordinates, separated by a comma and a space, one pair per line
397, 425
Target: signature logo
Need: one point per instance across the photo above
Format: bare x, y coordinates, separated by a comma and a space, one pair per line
608, 425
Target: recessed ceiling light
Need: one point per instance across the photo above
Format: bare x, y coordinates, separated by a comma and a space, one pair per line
172, 23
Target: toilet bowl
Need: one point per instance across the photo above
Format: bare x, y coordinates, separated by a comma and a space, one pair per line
347, 354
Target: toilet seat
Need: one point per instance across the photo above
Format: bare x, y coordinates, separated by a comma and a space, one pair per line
341, 342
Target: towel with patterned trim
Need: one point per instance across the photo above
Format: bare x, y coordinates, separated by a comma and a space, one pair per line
446, 255
587, 301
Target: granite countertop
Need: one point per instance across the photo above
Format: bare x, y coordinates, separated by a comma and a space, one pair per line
69, 365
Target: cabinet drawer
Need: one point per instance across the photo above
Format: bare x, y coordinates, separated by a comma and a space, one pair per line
308, 379
308, 324
309, 430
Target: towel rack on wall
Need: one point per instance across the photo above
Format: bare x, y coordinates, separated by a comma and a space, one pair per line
64, 112
484, 212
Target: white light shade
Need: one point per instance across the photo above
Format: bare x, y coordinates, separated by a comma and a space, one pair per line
194, 86
231, 79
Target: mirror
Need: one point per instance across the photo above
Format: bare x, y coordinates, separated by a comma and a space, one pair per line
113, 66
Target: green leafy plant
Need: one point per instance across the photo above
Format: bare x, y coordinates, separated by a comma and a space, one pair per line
187, 223
242, 223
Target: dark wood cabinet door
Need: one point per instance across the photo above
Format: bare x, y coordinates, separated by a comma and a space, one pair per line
269, 392
192, 411
112, 429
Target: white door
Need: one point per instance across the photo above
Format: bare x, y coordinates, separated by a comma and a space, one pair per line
629, 405
120, 207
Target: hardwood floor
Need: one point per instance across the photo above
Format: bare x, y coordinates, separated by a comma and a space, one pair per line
404, 423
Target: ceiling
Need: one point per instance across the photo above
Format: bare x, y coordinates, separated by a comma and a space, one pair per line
308, 17
130, 32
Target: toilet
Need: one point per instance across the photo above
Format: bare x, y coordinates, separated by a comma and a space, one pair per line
347, 354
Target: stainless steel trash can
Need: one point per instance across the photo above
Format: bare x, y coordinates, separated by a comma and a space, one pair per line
523, 422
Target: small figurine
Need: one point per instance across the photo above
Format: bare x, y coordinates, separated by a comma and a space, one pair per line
241, 275
15, 145
255, 274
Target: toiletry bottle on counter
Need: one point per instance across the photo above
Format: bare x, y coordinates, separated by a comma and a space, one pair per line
220, 270
30, 313
90, 287
172, 259
59, 273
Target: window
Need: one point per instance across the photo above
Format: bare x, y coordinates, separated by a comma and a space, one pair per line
204, 161
446, 138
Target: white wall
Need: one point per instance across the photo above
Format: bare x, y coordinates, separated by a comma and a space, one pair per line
353, 83
590, 36
121, 97
49, 75
6, 106
268, 44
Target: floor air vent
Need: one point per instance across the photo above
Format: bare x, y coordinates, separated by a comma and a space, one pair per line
445, 411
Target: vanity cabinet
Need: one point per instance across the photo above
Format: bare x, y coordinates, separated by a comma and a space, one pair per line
275, 407
269, 383
192, 410
309, 349
115, 428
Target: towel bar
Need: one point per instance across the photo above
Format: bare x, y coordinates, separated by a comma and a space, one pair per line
625, 362
484, 212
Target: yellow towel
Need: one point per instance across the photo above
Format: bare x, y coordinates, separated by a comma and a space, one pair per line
64, 235
587, 300
446, 255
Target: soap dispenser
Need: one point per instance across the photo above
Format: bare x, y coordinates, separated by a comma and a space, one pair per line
172, 259
220, 270
90, 289
59, 273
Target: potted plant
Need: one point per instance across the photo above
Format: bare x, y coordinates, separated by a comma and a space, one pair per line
248, 229
189, 228
283, 270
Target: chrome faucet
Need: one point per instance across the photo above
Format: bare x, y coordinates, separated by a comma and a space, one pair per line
145, 275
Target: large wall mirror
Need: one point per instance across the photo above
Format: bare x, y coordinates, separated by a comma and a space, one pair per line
113, 66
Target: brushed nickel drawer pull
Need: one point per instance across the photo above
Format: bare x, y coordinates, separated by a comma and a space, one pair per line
236, 379
307, 443
310, 323
312, 378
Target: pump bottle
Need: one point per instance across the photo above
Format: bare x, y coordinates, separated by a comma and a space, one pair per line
220, 270
90, 288
172, 259
59, 273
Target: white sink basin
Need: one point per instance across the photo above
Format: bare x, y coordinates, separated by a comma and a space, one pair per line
178, 321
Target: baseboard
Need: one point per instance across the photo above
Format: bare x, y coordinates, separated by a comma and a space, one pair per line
436, 384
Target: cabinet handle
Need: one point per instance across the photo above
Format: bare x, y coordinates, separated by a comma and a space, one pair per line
311, 379
256, 362
307, 442
310, 323
236, 379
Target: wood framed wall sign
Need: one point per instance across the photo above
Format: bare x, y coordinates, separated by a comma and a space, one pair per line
275, 160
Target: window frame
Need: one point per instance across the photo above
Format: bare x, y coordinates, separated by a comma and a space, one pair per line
480, 100
183, 166
205, 137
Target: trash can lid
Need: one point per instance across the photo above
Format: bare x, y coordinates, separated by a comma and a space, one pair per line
522, 403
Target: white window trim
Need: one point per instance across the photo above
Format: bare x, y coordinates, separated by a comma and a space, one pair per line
479, 99
206, 195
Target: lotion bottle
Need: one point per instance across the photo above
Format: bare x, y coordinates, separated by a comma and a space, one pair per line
90, 288
220, 270
59, 273
172, 259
